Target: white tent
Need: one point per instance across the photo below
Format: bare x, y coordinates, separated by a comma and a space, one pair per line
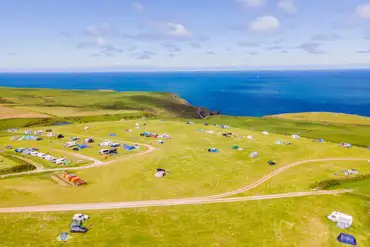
253, 155
159, 174
297, 137
265, 133
250, 137
210, 132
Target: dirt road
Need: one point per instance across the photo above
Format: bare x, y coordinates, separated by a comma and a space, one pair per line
159, 203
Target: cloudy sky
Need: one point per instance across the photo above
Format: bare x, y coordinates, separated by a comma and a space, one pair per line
176, 34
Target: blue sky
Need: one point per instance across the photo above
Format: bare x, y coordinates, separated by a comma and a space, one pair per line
44, 35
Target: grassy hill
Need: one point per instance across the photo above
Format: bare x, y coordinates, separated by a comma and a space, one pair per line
51, 103
334, 132
325, 117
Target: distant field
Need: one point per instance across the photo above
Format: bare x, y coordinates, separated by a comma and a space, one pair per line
74, 112
156, 103
10, 112
326, 117
354, 134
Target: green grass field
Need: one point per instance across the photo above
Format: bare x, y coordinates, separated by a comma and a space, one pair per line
298, 222
193, 172
325, 117
360, 186
165, 104
354, 134
6, 163
73, 112
293, 181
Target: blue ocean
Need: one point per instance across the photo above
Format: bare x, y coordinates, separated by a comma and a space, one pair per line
256, 93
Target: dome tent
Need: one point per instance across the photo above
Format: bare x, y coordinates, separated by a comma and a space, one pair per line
347, 239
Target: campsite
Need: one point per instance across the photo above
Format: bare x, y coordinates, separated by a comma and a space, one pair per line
194, 172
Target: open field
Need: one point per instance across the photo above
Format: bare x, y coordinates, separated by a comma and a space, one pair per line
297, 222
73, 112
356, 135
325, 117
293, 180
194, 172
360, 186
6, 163
7, 112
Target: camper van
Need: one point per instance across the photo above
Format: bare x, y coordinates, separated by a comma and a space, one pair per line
342, 220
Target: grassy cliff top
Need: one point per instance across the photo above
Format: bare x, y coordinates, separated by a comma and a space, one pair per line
325, 117
35, 101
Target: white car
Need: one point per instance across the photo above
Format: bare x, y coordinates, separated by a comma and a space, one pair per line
70, 144
41, 155
106, 144
49, 158
80, 217
60, 161
35, 154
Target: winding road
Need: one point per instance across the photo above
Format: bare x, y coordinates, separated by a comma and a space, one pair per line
157, 203
97, 163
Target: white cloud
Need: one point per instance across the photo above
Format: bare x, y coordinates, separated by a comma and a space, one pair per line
138, 6
100, 30
363, 11
100, 41
252, 3
264, 24
287, 6
176, 30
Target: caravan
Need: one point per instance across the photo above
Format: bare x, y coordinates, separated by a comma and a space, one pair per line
342, 220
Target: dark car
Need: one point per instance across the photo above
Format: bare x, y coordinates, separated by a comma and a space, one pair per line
78, 229
112, 151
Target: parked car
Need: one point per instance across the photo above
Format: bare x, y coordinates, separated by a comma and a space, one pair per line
60, 161
115, 145
41, 155
75, 138
19, 150
89, 140
34, 154
104, 151
27, 151
113, 151
105, 143
48, 157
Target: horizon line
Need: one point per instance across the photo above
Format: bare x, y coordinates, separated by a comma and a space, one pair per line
149, 70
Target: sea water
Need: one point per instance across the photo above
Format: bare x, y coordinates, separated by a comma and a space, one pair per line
254, 93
